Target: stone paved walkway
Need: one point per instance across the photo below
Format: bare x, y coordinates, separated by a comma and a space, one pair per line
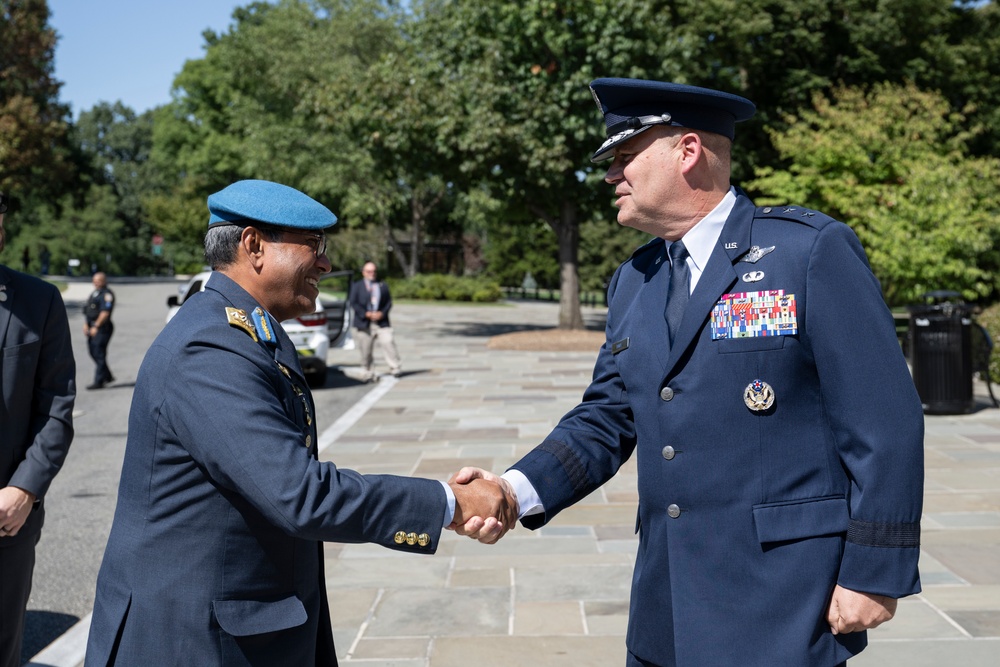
559, 596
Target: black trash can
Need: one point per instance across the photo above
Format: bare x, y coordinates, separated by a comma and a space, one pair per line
941, 353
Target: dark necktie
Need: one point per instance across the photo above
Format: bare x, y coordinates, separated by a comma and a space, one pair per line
678, 291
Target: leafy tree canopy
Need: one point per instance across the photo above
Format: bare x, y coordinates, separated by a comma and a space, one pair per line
469, 122
893, 163
35, 162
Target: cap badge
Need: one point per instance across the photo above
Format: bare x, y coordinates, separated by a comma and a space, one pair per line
618, 136
758, 396
755, 253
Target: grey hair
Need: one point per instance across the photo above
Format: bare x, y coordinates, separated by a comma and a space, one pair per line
222, 242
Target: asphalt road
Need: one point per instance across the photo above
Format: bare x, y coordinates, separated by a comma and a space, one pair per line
81, 501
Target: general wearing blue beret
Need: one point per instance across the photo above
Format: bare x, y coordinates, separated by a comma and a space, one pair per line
246, 202
632, 106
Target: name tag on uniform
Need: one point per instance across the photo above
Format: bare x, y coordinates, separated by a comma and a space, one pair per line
753, 314
619, 345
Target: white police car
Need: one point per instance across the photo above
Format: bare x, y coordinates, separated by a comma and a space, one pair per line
313, 335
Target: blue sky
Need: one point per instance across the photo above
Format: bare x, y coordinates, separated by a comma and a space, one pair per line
129, 50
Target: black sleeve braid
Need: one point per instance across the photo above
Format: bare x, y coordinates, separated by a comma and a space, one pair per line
871, 534
570, 462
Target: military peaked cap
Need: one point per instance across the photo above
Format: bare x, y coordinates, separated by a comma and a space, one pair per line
632, 106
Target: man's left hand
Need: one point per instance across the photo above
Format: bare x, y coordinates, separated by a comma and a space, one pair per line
15, 506
852, 611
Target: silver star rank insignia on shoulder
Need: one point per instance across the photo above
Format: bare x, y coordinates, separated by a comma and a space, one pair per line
755, 253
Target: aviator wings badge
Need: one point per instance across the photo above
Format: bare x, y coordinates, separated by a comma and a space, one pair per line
755, 253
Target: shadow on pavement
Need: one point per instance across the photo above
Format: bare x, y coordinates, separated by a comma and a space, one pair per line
41, 628
592, 322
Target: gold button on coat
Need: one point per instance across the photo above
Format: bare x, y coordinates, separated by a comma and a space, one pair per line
411, 538
423, 539
399, 537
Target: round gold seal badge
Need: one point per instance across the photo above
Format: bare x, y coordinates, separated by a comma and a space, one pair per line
758, 396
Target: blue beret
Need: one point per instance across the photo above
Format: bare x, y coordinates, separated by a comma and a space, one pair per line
632, 106
269, 203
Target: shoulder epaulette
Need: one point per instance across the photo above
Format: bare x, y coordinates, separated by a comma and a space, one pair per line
805, 216
647, 256
238, 318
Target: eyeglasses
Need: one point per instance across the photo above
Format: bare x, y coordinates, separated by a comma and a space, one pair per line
4, 201
316, 242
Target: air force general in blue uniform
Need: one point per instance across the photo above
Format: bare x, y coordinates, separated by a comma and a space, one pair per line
778, 433
215, 556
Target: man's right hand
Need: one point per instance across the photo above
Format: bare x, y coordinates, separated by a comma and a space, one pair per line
501, 515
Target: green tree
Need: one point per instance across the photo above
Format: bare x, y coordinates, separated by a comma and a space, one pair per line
604, 244
87, 229
516, 77
258, 106
893, 164
403, 174
780, 53
440, 115
512, 251
35, 160
114, 143
517, 112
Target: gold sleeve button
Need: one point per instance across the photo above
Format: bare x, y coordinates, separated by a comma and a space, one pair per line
423, 539
411, 538
399, 537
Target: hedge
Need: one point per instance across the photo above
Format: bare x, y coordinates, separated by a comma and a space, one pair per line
441, 287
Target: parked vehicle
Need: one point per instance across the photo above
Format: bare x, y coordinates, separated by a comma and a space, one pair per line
314, 334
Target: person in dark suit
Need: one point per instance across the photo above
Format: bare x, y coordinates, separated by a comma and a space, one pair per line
215, 555
752, 366
371, 302
37, 374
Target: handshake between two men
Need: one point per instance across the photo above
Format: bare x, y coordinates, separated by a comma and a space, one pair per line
486, 506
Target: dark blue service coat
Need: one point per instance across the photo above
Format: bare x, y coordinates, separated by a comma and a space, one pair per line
215, 554
748, 518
